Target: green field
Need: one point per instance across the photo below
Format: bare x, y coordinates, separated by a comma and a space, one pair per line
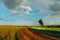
45, 28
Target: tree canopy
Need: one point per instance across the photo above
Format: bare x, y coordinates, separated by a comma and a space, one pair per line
41, 22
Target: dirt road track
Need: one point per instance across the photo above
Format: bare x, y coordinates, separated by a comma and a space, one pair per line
26, 34
10, 33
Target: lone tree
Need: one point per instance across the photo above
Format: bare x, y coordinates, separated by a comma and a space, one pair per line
41, 22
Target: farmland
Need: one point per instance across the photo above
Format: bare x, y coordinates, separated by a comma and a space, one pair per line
9, 32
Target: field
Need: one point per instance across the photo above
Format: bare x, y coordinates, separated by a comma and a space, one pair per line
33, 27
9, 32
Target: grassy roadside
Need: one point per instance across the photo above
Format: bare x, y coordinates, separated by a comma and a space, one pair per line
46, 28
32, 27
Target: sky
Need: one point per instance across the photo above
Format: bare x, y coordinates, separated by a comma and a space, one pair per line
29, 12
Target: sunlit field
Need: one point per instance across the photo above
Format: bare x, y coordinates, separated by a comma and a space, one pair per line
45, 28
32, 27
11, 31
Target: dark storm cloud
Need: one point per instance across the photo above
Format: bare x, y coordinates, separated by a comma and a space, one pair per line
11, 4
55, 8
55, 5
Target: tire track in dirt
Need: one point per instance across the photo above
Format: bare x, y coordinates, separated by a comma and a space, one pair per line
26, 34
21, 34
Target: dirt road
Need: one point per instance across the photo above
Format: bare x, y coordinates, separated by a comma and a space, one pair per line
20, 33
26, 34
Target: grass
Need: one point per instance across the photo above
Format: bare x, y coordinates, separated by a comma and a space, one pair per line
11, 30
45, 28
33, 27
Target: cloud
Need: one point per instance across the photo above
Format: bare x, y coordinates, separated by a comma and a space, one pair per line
24, 0
54, 10
43, 5
22, 9
11, 4
54, 7
47, 6
26, 7
19, 13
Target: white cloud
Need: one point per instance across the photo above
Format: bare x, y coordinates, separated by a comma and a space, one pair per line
28, 8
22, 9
